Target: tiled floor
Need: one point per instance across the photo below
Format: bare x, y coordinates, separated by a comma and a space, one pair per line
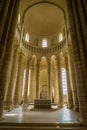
63, 115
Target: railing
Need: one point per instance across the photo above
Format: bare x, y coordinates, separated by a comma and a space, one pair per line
52, 49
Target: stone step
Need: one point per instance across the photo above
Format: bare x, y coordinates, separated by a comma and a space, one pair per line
40, 128
57, 124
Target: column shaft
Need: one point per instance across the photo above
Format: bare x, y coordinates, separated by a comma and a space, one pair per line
81, 24
31, 85
48, 93
9, 97
37, 80
78, 64
5, 24
1, 7
60, 89
55, 85
4, 15
7, 55
25, 100
70, 98
84, 3
73, 77
82, 21
51, 86
19, 81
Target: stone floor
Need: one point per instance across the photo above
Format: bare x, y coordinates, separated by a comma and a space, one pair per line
63, 115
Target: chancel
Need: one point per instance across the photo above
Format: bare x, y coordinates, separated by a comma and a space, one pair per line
43, 64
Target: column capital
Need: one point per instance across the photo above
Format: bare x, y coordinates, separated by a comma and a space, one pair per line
20, 53
48, 59
28, 59
16, 46
66, 53
38, 60
57, 60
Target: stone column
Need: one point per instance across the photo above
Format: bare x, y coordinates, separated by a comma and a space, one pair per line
7, 55
5, 23
37, 80
49, 74
82, 11
81, 33
34, 82
60, 104
5, 8
19, 81
25, 98
1, 6
55, 85
9, 100
73, 77
84, 3
31, 85
70, 98
51, 86
80, 81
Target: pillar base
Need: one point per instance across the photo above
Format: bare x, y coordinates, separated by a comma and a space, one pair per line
24, 108
60, 106
83, 122
76, 108
16, 105
70, 106
2, 118
8, 107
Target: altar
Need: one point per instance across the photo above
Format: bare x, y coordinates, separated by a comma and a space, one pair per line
42, 103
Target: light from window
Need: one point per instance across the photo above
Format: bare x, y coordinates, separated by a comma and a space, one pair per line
29, 82
44, 43
24, 76
60, 37
27, 37
19, 18
64, 81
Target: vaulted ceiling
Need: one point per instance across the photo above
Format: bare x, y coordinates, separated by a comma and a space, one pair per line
43, 17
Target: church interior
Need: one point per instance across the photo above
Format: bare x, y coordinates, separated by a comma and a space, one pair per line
43, 64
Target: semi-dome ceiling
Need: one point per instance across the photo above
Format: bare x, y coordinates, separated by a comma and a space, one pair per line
44, 19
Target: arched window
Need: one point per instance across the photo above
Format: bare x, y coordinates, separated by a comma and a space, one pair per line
27, 37
60, 37
64, 81
44, 43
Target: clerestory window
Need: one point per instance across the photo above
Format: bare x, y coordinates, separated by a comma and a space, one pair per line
60, 37
44, 43
64, 81
27, 37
